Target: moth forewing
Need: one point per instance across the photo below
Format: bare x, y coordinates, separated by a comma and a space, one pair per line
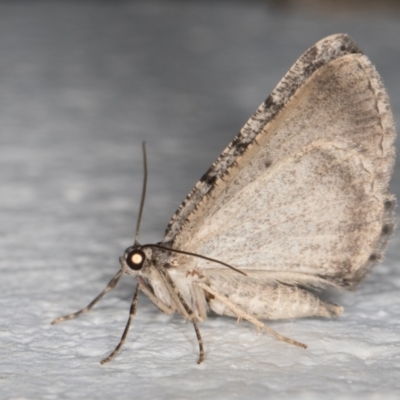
306, 198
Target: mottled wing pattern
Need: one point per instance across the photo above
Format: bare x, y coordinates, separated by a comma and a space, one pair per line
303, 187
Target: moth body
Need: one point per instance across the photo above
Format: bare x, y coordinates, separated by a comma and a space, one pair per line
269, 301
263, 297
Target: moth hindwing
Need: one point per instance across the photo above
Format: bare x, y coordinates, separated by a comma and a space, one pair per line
298, 200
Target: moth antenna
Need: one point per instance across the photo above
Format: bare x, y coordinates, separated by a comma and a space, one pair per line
195, 255
139, 218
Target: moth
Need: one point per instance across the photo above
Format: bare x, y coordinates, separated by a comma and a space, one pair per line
298, 201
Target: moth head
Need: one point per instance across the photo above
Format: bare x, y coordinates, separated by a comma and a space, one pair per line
135, 259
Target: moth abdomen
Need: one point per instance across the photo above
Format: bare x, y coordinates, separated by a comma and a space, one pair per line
273, 301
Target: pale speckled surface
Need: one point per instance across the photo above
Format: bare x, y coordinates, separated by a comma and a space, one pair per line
82, 84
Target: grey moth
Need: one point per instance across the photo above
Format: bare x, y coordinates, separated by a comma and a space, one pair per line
298, 200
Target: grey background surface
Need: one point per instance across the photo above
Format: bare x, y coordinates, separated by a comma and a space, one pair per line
82, 84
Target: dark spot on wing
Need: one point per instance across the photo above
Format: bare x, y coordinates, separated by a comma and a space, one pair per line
387, 229
239, 145
208, 177
267, 164
313, 52
373, 257
269, 102
389, 205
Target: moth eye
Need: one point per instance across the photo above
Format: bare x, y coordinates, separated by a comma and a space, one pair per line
135, 259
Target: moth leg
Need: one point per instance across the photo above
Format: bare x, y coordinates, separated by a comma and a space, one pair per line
183, 308
170, 310
176, 296
132, 313
111, 285
200, 302
141, 286
155, 300
242, 314
200, 340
